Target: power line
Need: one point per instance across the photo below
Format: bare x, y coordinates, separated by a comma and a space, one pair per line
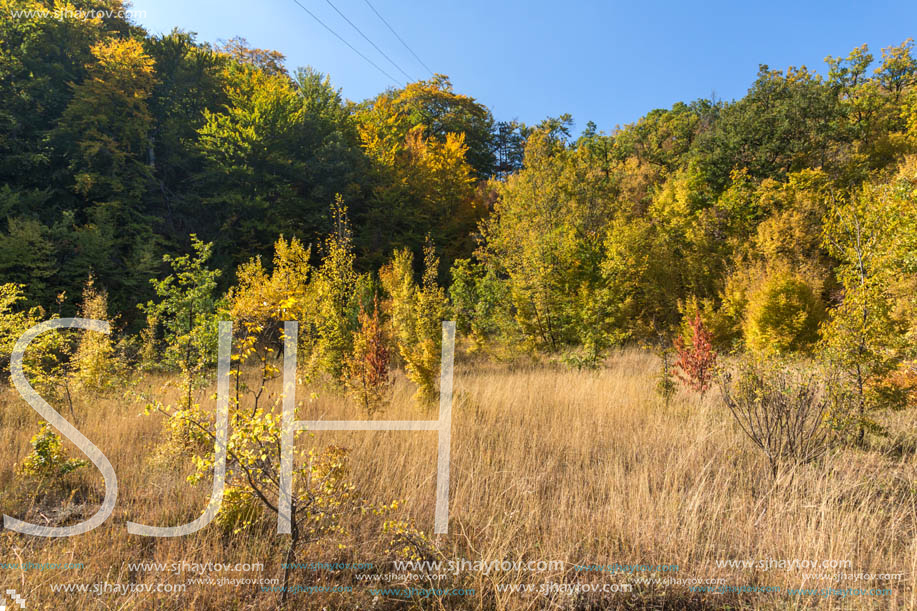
352, 48
396, 36
365, 37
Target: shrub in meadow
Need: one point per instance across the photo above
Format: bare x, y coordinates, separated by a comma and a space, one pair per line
695, 362
48, 458
369, 368
783, 410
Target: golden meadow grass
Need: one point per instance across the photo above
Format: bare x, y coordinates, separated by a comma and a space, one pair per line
589, 468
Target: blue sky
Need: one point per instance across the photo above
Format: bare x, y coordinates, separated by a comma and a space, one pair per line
609, 62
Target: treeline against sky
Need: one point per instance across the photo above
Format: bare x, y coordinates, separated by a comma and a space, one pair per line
766, 216
116, 145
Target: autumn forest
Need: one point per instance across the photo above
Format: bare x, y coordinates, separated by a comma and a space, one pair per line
729, 283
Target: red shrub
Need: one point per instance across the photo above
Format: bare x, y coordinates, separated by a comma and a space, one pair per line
696, 362
370, 378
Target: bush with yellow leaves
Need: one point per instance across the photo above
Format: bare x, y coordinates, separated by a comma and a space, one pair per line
783, 315
258, 306
47, 362
321, 493
48, 458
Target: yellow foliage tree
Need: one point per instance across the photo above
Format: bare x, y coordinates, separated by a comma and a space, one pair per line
261, 302
334, 301
110, 120
427, 143
783, 315
416, 313
94, 364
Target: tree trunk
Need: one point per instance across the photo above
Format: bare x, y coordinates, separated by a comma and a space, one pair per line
291, 553
188, 350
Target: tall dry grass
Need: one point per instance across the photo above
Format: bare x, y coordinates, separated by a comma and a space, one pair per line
583, 467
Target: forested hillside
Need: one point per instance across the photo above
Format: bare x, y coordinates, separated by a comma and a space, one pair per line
763, 215
116, 145
689, 342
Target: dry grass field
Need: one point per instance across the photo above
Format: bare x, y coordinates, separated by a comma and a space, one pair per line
548, 464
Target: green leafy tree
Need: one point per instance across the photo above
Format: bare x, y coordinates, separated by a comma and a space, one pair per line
545, 234
187, 313
28, 256
275, 155
482, 308
41, 60
189, 82
105, 133
786, 122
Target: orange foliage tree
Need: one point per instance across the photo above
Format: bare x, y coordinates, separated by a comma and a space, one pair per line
696, 362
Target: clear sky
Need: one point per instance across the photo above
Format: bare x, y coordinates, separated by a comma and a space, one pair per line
609, 62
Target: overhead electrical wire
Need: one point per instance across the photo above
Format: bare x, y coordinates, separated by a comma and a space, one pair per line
352, 48
398, 37
366, 38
